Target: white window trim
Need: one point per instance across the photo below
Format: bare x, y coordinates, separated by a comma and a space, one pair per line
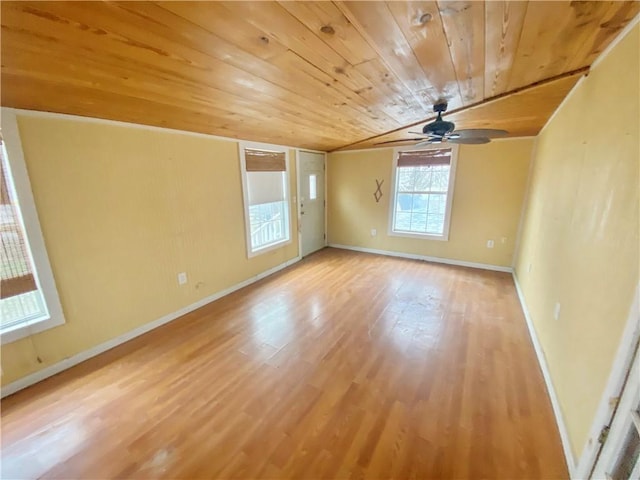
392, 197
242, 145
43, 273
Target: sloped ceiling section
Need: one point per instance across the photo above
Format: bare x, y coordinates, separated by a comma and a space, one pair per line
322, 75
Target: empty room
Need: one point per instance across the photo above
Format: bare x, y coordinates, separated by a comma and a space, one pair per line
320, 240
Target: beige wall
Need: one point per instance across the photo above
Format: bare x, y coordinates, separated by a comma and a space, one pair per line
580, 234
488, 195
123, 210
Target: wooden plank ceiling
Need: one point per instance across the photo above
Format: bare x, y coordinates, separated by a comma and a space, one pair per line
322, 75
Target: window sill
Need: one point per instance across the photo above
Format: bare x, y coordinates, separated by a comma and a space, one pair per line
21, 330
422, 236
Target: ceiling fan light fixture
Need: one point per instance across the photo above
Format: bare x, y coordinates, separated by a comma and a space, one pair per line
441, 131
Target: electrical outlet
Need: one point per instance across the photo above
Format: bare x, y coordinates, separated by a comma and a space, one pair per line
503, 240
529, 267
489, 243
374, 232
556, 311
182, 278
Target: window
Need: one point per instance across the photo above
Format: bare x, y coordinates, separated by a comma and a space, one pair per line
313, 187
28, 298
422, 192
265, 181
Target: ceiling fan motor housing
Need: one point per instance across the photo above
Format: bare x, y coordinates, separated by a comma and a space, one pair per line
439, 127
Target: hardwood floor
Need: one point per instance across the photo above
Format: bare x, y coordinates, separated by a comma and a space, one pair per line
345, 365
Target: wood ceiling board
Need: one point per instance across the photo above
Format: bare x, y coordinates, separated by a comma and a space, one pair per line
561, 36
68, 98
523, 113
273, 21
198, 68
375, 22
285, 68
599, 32
501, 42
395, 101
430, 46
264, 71
83, 73
464, 26
348, 42
345, 39
276, 22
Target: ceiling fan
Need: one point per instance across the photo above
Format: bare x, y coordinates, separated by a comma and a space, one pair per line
441, 131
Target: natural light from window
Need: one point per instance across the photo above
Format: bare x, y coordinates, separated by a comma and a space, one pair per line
422, 199
265, 180
21, 301
421, 192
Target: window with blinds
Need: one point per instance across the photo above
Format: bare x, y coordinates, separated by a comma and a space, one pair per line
422, 192
265, 185
20, 299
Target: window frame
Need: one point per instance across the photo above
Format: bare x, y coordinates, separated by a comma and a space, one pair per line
242, 145
450, 190
29, 216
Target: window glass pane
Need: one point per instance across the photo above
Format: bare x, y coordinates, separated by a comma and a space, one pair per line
269, 224
313, 185
441, 183
420, 202
437, 203
20, 298
424, 177
435, 224
403, 222
22, 308
419, 222
421, 199
406, 178
404, 202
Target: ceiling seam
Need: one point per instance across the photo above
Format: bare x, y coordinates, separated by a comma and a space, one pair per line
539, 83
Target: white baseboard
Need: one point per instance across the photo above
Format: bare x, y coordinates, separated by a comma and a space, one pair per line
412, 256
56, 368
562, 427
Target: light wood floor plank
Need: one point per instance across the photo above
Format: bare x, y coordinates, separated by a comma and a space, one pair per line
345, 365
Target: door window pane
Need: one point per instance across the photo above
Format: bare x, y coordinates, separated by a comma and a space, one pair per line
313, 187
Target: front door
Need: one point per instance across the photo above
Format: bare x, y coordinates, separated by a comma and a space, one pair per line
311, 175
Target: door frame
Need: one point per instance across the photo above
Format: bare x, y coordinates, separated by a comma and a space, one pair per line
622, 421
621, 366
299, 216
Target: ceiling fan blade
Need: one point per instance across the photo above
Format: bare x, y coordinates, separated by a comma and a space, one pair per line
423, 134
469, 141
479, 132
401, 140
429, 141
